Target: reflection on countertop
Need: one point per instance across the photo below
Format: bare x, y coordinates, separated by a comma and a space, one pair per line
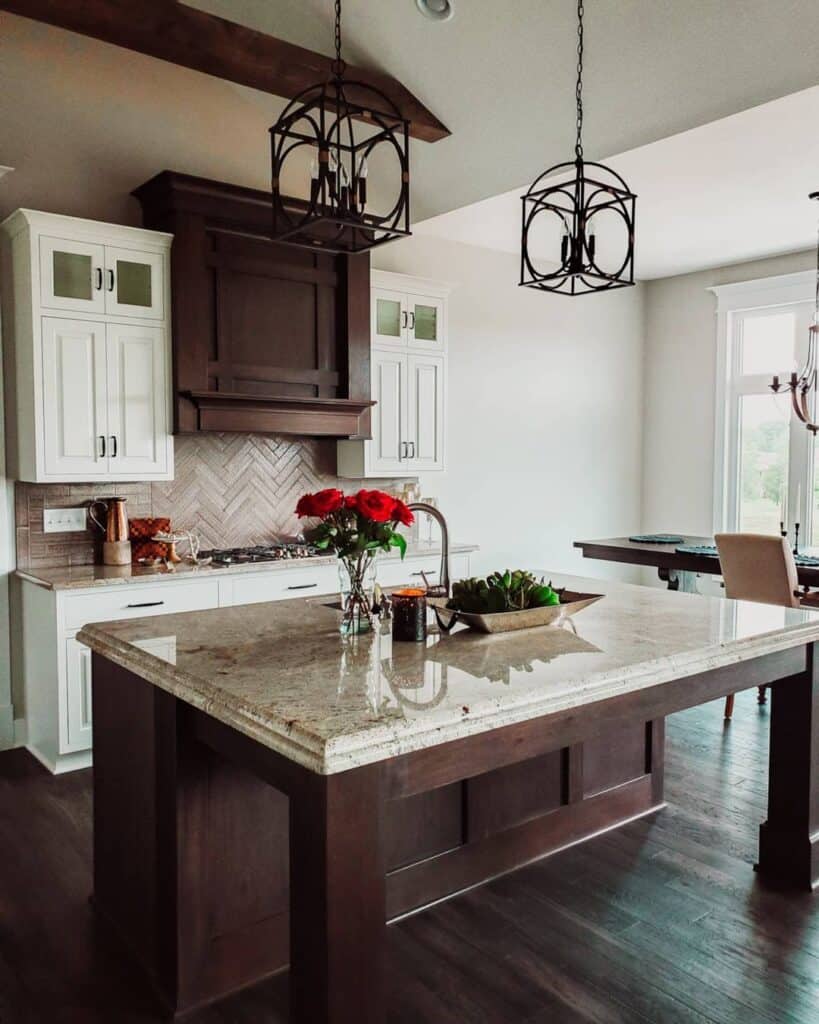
77, 577
281, 673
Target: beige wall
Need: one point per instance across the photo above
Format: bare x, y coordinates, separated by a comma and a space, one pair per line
679, 390
83, 123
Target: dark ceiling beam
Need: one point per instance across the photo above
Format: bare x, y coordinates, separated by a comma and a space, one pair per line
194, 39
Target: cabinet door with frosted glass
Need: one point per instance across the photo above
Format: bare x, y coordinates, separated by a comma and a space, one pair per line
425, 322
133, 283
72, 275
389, 317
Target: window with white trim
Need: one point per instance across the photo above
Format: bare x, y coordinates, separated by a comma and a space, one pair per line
765, 466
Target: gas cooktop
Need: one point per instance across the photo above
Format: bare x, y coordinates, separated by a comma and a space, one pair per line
260, 553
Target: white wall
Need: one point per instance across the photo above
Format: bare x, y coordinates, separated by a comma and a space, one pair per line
679, 390
545, 400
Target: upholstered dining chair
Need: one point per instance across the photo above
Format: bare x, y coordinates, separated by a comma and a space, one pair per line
759, 567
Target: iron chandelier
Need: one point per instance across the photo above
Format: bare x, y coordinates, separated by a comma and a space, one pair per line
338, 215
803, 385
582, 194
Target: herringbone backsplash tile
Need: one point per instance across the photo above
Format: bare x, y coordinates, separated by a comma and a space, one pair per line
232, 489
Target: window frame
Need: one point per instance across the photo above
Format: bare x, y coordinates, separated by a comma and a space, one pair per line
734, 302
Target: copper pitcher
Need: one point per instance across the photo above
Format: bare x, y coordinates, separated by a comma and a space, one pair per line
116, 521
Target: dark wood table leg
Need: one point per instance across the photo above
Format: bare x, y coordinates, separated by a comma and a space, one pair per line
337, 899
789, 839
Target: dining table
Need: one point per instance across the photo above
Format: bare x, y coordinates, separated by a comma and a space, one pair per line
678, 562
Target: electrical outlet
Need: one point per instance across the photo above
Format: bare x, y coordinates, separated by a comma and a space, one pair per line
64, 520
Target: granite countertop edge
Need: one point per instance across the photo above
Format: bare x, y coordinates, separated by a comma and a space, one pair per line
81, 577
327, 757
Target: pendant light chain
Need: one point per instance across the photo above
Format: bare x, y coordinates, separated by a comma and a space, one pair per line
338, 64
578, 148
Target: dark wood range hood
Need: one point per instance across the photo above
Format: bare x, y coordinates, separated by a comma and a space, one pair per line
267, 338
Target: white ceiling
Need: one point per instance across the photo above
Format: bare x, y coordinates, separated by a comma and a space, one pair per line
500, 74
736, 189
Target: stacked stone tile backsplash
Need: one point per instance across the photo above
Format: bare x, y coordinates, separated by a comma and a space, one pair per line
232, 489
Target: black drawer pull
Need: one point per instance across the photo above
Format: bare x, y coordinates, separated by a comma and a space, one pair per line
145, 604
425, 572
302, 586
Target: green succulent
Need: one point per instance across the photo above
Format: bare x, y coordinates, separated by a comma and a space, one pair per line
509, 591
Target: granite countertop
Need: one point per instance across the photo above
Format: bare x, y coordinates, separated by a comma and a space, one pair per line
281, 673
77, 577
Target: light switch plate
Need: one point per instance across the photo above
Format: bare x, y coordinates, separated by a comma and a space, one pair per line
64, 520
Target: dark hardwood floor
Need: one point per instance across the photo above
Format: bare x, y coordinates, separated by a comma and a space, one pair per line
662, 921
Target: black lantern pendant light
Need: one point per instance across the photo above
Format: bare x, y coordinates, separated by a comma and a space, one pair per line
583, 198
804, 385
346, 127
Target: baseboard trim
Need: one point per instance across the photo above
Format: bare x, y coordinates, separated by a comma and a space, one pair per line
7, 724
20, 732
64, 762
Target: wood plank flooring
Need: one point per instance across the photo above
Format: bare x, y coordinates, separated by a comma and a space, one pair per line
662, 921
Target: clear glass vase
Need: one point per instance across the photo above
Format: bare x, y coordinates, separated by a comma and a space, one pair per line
356, 580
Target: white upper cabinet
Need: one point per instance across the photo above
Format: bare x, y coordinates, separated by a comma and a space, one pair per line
389, 317
407, 319
137, 410
72, 275
408, 377
89, 332
133, 284
426, 316
425, 411
75, 414
389, 414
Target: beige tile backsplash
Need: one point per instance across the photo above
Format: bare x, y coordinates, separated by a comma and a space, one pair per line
232, 489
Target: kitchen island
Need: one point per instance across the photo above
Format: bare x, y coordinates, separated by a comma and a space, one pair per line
273, 794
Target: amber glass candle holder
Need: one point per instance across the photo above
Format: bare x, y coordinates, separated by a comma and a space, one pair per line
409, 615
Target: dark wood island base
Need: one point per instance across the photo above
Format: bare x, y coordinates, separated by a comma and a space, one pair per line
218, 860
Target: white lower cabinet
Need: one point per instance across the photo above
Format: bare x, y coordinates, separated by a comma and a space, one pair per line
57, 667
77, 696
256, 587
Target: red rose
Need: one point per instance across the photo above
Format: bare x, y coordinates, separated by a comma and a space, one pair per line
327, 501
321, 504
401, 514
351, 501
375, 505
305, 506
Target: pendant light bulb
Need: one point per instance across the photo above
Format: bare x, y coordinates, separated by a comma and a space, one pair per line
565, 245
363, 171
343, 183
315, 173
591, 241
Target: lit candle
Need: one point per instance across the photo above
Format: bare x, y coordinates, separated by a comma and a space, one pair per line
783, 512
799, 502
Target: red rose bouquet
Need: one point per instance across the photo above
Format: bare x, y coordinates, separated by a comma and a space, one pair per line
356, 526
